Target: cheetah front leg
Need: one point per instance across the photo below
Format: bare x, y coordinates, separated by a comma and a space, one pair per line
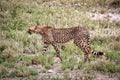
57, 51
44, 49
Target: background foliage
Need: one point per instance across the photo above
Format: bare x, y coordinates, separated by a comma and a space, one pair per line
20, 53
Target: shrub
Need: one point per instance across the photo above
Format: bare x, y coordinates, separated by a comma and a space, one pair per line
80, 65
26, 60
115, 46
109, 67
33, 71
113, 55
23, 71
36, 60
7, 53
3, 71
69, 64
3, 46
112, 68
113, 3
46, 61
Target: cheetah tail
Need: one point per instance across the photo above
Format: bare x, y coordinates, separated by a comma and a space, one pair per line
98, 53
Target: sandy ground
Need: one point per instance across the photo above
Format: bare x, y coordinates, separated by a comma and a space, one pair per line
108, 16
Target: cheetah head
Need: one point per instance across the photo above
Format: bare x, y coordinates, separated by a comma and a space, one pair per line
39, 29
34, 29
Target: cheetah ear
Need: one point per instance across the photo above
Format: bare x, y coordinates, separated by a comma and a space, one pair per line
36, 27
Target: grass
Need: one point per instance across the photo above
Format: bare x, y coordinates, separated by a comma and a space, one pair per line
23, 71
46, 61
19, 50
107, 67
3, 71
67, 65
113, 56
57, 79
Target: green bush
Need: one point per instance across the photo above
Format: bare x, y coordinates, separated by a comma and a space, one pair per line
113, 55
67, 65
23, 71
46, 61
3, 45
80, 65
3, 71
109, 67
26, 60
33, 71
115, 46
112, 68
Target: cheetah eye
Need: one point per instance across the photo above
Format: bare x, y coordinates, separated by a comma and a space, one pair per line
41, 32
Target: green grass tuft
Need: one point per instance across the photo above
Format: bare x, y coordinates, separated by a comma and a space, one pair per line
3, 71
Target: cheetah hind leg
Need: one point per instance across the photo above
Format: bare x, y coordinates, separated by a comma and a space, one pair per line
87, 52
86, 49
87, 57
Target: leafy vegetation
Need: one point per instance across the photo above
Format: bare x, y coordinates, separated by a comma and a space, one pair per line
20, 53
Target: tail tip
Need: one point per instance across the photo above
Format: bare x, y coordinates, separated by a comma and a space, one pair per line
101, 53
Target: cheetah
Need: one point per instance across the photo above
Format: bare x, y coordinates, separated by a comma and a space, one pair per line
52, 36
